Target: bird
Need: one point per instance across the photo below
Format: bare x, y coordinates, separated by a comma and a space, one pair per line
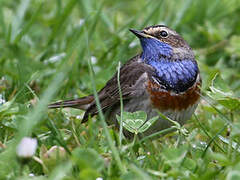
163, 78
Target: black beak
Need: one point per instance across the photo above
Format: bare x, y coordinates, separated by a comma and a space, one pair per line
137, 33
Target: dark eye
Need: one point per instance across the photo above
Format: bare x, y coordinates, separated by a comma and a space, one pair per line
163, 33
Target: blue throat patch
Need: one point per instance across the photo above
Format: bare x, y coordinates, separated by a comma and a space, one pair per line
175, 75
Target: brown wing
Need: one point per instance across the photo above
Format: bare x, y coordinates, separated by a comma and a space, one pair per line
109, 95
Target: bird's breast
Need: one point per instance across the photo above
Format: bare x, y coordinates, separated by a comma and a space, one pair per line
167, 100
175, 75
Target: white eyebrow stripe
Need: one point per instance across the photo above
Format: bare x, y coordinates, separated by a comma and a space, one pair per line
152, 30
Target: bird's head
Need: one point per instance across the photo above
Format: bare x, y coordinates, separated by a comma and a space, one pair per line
170, 55
159, 41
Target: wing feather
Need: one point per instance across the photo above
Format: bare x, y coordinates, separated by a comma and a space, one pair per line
109, 94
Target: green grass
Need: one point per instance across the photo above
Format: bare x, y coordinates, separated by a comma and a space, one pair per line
46, 50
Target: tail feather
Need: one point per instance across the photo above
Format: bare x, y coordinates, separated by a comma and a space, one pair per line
81, 103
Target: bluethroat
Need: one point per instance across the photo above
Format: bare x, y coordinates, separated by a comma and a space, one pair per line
163, 77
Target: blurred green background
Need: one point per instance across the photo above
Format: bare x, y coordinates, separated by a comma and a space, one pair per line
45, 47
